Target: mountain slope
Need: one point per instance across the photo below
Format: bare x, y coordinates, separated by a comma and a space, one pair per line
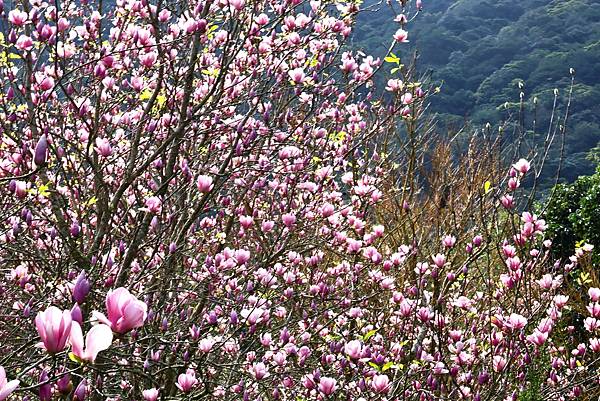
480, 50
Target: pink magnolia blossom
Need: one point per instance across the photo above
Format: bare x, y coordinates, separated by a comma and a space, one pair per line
594, 294
63, 24
401, 36
516, 321
537, 337
327, 385
262, 19
154, 204
103, 147
150, 394
6, 387
259, 371
187, 381
125, 311
204, 183
522, 166
17, 17
24, 43
288, 219
353, 349
499, 363
380, 383
99, 338
297, 75
54, 328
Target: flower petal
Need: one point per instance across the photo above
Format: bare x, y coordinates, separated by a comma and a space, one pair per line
8, 388
97, 339
76, 340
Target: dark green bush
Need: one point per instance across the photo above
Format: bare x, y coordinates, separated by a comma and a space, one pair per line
573, 215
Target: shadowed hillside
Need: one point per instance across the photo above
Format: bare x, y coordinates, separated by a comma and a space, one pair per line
479, 51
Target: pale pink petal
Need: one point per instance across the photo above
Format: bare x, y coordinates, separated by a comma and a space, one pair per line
40, 326
8, 388
76, 340
97, 339
2, 377
51, 319
65, 328
134, 313
99, 316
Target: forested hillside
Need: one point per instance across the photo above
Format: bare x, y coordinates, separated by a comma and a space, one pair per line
479, 51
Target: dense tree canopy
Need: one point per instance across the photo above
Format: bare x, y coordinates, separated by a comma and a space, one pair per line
480, 50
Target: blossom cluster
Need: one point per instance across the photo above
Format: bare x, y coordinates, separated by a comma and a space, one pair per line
203, 188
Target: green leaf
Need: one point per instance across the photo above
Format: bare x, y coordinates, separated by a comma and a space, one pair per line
392, 58
374, 366
145, 94
370, 334
43, 190
387, 366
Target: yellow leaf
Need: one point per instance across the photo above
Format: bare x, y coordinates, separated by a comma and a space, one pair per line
43, 190
93, 200
487, 187
392, 58
146, 94
74, 358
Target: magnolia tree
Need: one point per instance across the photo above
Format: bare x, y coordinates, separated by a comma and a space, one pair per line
211, 199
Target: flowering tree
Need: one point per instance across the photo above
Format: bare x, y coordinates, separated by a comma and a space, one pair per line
210, 199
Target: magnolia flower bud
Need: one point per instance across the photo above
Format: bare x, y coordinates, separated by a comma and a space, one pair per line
81, 288
75, 229
80, 393
76, 314
64, 384
45, 390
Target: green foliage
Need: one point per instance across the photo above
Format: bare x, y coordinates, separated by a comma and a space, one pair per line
573, 214
535, 378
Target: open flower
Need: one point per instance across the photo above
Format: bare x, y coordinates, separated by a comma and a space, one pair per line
186, 381
401, 36
125, 311
54, 327
97, 339
327, 385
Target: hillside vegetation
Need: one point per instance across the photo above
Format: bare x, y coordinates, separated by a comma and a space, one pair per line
480, 50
